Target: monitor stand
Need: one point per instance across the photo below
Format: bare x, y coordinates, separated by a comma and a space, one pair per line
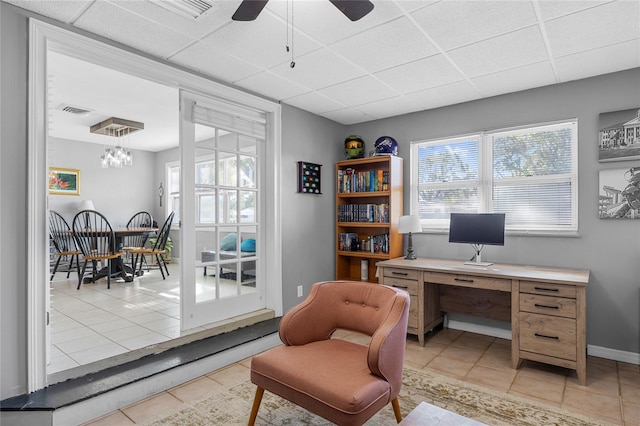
478, 258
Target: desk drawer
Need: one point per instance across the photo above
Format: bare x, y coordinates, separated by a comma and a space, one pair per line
548, 335
411, 286
407, 274
548, 305
463, 280
548, 289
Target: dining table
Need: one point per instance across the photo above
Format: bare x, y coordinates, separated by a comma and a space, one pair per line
119, 268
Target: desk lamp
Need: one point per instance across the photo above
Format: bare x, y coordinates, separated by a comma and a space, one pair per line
407, 225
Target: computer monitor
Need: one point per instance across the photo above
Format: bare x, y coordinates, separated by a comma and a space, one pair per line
477, 229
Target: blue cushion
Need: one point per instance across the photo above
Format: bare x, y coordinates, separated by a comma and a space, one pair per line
248, 245
229, 242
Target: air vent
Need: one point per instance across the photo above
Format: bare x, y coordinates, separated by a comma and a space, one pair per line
74, 110
189, 8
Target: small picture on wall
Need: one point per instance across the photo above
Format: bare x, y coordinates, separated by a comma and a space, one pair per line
64, 181
619, 196
619, 135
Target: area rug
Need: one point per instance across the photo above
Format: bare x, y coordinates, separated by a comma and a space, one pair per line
231, 406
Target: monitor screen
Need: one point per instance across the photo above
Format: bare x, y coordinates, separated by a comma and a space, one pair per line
477, 228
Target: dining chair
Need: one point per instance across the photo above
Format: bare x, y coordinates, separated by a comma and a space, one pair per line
63, 242
96, 240
133, 243
342, 381
158, 249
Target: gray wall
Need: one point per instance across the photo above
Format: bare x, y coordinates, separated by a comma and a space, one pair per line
609, 248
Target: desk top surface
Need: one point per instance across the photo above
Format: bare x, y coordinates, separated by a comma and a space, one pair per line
527, 272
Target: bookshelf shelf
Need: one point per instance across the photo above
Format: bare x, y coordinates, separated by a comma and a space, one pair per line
369, 204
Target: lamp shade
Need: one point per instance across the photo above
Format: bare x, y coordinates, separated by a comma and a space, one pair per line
409, 223
86, 205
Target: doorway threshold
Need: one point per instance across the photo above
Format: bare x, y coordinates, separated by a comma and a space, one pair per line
211, 330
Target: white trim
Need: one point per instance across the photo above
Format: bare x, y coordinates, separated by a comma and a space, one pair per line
44, 36
614, 354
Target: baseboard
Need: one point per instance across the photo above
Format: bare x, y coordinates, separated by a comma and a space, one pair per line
111, 401
596, 351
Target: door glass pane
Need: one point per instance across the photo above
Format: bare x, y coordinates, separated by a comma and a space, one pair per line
247, 207
227, 169
248, 172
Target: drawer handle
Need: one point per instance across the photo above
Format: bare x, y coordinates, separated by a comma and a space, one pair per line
547, 289
404, 274
537, 305
546, 337
399, 286
464, 280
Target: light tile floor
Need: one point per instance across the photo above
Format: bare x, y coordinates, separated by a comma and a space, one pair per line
612, 393
95, 323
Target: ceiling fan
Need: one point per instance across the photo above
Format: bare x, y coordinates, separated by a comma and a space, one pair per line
352, 9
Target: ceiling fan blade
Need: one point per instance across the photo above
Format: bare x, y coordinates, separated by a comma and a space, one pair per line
249, 10
353, 9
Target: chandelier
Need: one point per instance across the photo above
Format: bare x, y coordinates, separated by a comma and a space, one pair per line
119, 129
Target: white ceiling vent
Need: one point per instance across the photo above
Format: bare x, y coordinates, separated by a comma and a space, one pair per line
188, 8
75, 110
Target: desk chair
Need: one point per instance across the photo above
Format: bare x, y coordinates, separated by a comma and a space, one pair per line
343, 382
96, 240
63, 241
133, 243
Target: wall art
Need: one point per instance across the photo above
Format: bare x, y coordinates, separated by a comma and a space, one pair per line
619, 135
619, 196
64, 181
309, 178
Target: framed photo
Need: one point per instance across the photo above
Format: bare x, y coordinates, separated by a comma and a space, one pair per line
619, 193
64, 181
619, 135
309, 178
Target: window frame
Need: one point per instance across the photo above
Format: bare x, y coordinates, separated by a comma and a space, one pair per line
485, 183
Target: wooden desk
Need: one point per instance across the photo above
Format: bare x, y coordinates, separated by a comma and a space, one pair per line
546, 306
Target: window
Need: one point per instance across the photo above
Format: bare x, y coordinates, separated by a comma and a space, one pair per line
530, 174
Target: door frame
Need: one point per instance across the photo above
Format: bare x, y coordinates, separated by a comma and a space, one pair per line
44, 36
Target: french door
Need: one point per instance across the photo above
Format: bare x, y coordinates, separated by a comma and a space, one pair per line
221, 173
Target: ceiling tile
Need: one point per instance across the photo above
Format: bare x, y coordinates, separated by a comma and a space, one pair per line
214, 18
593, 28
394, 43
261, 42
361, 90
110, 21
516, 49
347, 116
453, 23
389, 107
313, 102
422, 74
449, 94
319, 69
61, 10
516, 79
272, 85
554, 8
321, 21
211, 61
607, 59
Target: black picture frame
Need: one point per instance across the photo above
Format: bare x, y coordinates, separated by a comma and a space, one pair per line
309, 178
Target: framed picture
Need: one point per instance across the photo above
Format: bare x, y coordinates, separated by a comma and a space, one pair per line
619, 135
619, 193
309, 178
64, 181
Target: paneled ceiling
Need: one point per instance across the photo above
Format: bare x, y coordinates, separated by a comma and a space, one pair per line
404, 56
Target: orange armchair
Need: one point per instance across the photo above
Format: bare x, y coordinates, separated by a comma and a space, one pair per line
344, 382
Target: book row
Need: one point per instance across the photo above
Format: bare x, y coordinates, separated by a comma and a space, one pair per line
350, 241
351, 180
378, 213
